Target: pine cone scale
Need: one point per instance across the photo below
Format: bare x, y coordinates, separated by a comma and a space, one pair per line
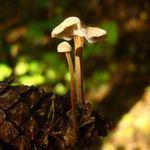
2, 116
8, 132
8, 99
18, 113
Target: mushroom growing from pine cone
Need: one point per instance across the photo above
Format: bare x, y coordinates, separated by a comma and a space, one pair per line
73, 28
64, 47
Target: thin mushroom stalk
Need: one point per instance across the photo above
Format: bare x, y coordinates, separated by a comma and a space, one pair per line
79, 43
72, 90
64, 47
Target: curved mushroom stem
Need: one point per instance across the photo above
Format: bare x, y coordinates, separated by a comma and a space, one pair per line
79, 42
72, 90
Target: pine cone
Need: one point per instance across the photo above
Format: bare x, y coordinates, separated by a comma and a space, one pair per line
24, 114
31, 118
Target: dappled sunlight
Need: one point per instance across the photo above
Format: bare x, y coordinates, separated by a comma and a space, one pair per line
60, 89
133, 130
5, 71
21, 68
51, 74
32, 80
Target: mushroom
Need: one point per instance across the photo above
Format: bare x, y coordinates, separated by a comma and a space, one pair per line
72, 28
64, 47
68, 29
95, 34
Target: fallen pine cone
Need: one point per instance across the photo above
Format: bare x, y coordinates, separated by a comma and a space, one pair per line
31, 118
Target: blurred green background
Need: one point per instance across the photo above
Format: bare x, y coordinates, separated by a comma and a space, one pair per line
117, 71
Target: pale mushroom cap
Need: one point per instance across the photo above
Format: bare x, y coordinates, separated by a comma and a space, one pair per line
72, 26
69, 28
64, 47
95, 34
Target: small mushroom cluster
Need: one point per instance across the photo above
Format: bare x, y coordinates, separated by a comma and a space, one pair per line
73, 28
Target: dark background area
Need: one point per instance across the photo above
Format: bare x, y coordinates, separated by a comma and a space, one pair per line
117, 71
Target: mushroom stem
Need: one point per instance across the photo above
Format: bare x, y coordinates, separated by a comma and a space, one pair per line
72, 90
79, 42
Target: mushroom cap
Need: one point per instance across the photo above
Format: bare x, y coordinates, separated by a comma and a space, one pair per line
95, 34
72, 26
68, 28
64, 47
